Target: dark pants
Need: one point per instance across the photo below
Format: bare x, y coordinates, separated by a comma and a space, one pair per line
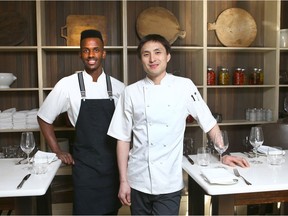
147, 204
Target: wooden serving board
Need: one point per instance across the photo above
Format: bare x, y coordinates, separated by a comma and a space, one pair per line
75, 24
159, 20
235, 27
13, 28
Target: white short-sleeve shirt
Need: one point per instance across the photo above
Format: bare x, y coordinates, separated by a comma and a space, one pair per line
155, 115
66, 96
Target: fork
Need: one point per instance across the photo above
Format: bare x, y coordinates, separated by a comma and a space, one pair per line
236, 172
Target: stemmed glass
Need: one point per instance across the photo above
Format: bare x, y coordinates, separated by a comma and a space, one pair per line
256, 139
221, 142
27, 145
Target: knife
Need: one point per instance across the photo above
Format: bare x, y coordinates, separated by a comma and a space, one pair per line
189, 159
23, 180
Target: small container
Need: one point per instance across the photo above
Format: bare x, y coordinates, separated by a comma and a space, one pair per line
258, 114
252, 116
269, 115
238, 77
253, 77
248, 110
223, 77
211, 76
260, 77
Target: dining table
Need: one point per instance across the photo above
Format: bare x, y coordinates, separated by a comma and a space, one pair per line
269, 184
37, 185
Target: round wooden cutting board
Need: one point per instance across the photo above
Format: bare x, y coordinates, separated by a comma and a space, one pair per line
235, 27
13, 28
158, 20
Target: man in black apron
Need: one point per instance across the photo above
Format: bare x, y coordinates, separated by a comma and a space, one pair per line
95, 171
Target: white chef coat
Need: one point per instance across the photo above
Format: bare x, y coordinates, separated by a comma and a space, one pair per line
156, 114
66, 96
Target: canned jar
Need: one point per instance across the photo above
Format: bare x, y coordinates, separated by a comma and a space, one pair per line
253, 77
261, 77
223, 77
211, 76
238, 77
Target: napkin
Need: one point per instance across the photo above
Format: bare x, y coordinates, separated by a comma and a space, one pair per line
40, 154
264, 149
218, 175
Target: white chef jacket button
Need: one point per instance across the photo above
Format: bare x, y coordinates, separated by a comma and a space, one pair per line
167, 125
164, 145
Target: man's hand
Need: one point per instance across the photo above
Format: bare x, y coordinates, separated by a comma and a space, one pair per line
65, 157
235, 161
125, 193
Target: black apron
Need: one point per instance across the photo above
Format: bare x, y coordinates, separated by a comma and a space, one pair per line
95, 173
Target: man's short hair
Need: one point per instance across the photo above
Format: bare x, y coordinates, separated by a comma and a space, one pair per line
91, 33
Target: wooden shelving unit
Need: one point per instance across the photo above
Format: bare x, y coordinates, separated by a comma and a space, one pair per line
43, 57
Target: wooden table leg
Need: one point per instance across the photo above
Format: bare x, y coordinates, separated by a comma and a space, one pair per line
222, 205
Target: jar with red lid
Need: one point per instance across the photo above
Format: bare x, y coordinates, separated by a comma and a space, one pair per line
211, 76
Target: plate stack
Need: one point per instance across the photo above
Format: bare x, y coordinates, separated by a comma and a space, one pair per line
6, 118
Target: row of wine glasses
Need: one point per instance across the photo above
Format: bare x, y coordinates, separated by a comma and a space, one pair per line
256, 139
27, 144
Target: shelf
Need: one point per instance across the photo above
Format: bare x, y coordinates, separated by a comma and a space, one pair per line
43, 58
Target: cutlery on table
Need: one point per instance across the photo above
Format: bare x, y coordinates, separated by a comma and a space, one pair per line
236, 172
189, 159
31, 156
23, 181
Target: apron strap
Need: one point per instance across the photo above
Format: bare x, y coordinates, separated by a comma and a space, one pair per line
109, 86
82, 86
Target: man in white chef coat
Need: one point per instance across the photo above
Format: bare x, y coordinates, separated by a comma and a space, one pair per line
89, 97
152, 112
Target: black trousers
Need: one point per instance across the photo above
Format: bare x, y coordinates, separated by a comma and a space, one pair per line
147, 204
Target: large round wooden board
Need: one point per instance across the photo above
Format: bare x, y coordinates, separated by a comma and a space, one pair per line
158, 20
235, 27
13, 28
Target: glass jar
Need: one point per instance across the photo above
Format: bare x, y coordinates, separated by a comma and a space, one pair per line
253, 77
223, 77
260, 77
211, 76
238, 77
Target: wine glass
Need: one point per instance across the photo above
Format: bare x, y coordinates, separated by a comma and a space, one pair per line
27, 145
221, 142
285, 104
256, 139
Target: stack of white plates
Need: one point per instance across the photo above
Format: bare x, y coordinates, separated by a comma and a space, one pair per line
6, 118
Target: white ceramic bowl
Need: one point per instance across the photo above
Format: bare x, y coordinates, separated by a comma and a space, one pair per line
6, 79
